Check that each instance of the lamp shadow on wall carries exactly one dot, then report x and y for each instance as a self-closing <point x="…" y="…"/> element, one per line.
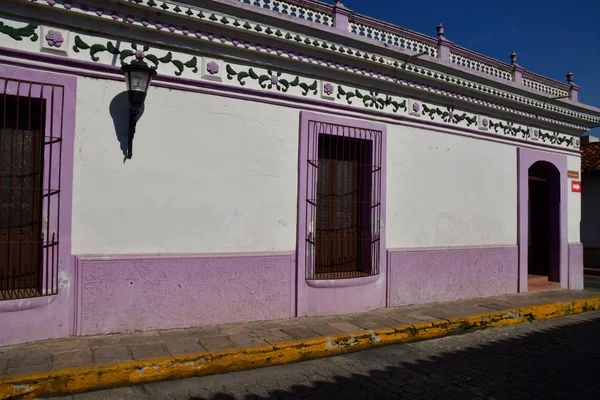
<point x="119" y="112"/>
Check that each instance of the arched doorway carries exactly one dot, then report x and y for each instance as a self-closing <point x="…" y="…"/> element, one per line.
<point x="543" y="241"/>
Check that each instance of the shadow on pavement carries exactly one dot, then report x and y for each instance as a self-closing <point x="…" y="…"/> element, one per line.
<point x="555" y="363"/>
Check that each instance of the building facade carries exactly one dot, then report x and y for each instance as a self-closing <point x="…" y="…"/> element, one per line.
<point x="292" y="158"/>
<point x="590" y="196"/>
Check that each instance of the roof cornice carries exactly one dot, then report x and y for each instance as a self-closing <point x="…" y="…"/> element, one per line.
<point x="377" y="65"/>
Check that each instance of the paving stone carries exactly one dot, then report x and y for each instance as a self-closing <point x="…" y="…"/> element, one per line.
<point x="3" y="365"/>
<point x="138" y="338"/>
<point x="107" y="354"/>
<point x="75" y="358"/>
<point x="375" y="323"/>
<point x="446" y="312"/>
<point x="496" y="305"/>
<point x="217" y="343"/>
<point x="422" y="317"/>
<point x="245" y="340"/>
<point x="404" y="320"/>
<point x="345" y="327"/>
<point x="324" y="330"/>
<point x="300" y="333"/>
<point x="233" y="330"/>
<point x="184" y="346"/>
<point x="177" y="334"/>
<point x="28" y="362"/>
<point x="149" y="350"/>
<point x="274" y="336"/>
<point x="67" y="344"/>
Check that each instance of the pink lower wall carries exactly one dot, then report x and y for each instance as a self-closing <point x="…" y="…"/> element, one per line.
<point x="344" y="296"/>
<point x="419" y="276"/>
<point x="126" y="293"/>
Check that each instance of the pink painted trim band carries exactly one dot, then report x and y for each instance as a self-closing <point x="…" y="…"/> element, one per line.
<point x="155" y="256"/>
<point x="451" y="248"/>
<point x="340" y="283"/>
<point x="7" y="306"/>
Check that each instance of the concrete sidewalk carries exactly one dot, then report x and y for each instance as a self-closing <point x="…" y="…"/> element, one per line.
<point x="80" y="364"/>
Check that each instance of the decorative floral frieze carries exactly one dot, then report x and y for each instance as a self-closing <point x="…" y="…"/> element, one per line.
<point x="371" y="100"/>
<point x="28" y="31"/>
<point x="269" y="79"/>
<point x="509" y="128"/>
<point x="166" y="8"/>
<point x="448" y="115"/>
<point x="137" y="53"/>
<point x="556" y="138"/>
<point x="212" y="69"/>
<point x="327" y="90"/>
<point x="54" y="38"/>
<point x="272" y="80"/>
<point x="332" y="65"/>
<point x="484" y="123"/>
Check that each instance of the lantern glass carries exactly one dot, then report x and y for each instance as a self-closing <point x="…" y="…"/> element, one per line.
<point x="138" y="80"/>
<point x="138" y="76"/>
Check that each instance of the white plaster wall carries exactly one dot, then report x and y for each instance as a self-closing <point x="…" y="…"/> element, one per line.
<point x="208" y="174"/>
<point x="449" y="190"/>
<point x="574" y="201"/>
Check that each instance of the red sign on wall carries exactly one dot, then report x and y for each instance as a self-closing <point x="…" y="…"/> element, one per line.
<point x="576" y="186"/>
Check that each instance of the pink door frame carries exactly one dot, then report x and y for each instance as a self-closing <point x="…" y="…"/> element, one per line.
<point x="343" y="296"/>
<point x="525" y="159"/>
<point x="52" y="316"/>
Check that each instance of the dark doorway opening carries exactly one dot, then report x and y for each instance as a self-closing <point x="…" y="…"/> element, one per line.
<point x="544" y="227"/>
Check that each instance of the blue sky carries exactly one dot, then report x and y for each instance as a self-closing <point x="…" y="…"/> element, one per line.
<point x="550" y="37"/>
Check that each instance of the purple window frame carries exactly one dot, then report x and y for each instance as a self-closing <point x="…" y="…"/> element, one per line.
<point x="303" y="180"/>
<point x="526" y="158"/>
<point x="59" y="93"/>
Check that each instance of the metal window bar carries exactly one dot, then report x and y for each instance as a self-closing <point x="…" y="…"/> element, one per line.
<point x="31" y="121"/>
<point x="343" y="200"/>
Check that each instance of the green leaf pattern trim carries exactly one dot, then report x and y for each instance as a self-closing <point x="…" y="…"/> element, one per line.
<point x="271" y="80"/>
<point x="509" y="129"/>
<point x="18" y="34"/>
<point x="553" y="138"/>
<point x="275" y="80"/>
<point x="126" y="53"/>
<point x="448" y="115"/>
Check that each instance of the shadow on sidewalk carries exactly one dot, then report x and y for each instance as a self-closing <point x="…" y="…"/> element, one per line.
<point x="554" y="363"/>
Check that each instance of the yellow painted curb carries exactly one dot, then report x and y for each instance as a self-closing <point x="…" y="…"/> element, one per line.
<point x="83" y="379"/>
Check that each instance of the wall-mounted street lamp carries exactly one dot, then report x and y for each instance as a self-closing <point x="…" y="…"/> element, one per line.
<point x="138" y="76"/>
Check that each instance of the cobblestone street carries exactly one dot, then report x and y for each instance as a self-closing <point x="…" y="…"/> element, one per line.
<point x="555" y="359"/>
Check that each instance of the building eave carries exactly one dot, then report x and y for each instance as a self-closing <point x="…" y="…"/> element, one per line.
<point x="495" y="95"/>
